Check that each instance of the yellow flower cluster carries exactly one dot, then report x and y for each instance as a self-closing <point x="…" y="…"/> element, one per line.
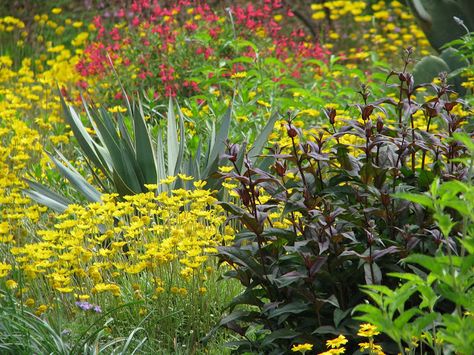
<point x="384" y="28"/>
<point x="335" y="346"/>
<point x="94" y="249"/>
<point x="302" y="348"/>
<point x="367" y="330"/>
<point x="31" y="118"/>
<point x="9" y="24"/>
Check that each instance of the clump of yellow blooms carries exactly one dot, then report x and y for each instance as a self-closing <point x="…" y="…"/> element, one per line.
<point x="369" y="331"/>
<point x="335" y="346"/>
<point x="302" y="348"/>
<point x="385" y="27"/>
<point x="31" y="119"/>
<point x="92" y="249"/>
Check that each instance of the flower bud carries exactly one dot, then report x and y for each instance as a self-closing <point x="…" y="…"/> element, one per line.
<point x="379" y="124"/>
<point x="292" y="132"/>
<point x="280" y="169"/>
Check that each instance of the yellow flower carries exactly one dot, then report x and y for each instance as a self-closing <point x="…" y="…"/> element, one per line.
<point x="337" y="342"/>
<point x="333" y="351"/>
<point x="239" y="75"/>
<point x="185" y="177"/>
<point x="168" y="180"/>
<point x="368" y="330"/>
<point x="263" y="103"/>
<point x="226" y="169"/>
<point x="41" y="309"/>
<point x="30" y="302"/>
<point x="56" y="10"/>
<point x="4" y="269"/>
<point x="11" y="284"/>
<point x="374" y="349"/>
<point x="302" y="348"/>
<point x="117" y="109"/>
<point x="319" y="15"/>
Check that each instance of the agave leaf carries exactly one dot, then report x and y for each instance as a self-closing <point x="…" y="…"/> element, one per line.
<point x="84" y="139"/>
<point x="47" y="197"/>
<point x="109" y="123"/>
<point x="145" y="154"/>
<point x="212" y="139"/>
<point x="133" y="176"/>
<point x="44" y="190"/>
<point x="75" y="178"/>
<point x="197" y="162"/>
<point x="219" y="146"/>
<point x="121" y="157"/>
<point x="172" y="139"/>
<point x="124" y="134"/>
<point x="160" y="156"/>
<point x="127" y="100"/>
<point x="129" y="157"/>
<point x="101" y="152"/>
<point x="182" y="141"/>
<point x="262" y="138"/>
<point x="240" y="157"/>
<point x="122" y="188"/>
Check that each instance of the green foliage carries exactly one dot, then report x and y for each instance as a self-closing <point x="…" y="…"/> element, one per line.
<point x="441" y="317"/>
<point x="22" y="332"/>
<point x="429" y="68"/>
<point x="124" y="160"/>
<point x="436" y="18"/>
<point x="343" y="228"/>
<point x="450" y="61"/>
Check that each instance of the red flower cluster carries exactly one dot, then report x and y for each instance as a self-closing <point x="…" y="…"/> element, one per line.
<point x="149" y="40"/>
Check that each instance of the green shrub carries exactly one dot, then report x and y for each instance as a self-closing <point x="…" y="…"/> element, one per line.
<point x="447" y="278"/>
<point x="318" y="218"/>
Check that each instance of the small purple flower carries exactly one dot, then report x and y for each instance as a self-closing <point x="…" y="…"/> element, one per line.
<point x="86" y="306"/>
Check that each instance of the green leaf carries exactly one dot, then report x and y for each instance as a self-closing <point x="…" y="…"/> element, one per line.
<point x="421" y="323"/>
<point x="46" y="200"/>
<point x="425" y="178"/>
<point x="121" y="158"/>
<point x="234" y="316"/>
<point x="160" y="157"/>
<point x="76" y="179"/>
<point x="423" y="200"/>
<point x="46" y="192"/>
<point x="84" y="139"/>
<point x="182" y="141"/>
<point x="405" y="317"/>
<point x="172" y="139"/>
<point x="426" y="261"/>
<point x="144" y="152"/>
<point x="465" y="139"/>
<point x="295" y="307"/>
<point x="262" y="138"/>
<point x="452" y="188"/>
<point x="218" y="146"/>
<point x="279" y="334"/>
<point x="339" y="315"/>
<point x="234" y="209"/>
<point x="444" y="223"/>
<point x="243" y="258"/>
